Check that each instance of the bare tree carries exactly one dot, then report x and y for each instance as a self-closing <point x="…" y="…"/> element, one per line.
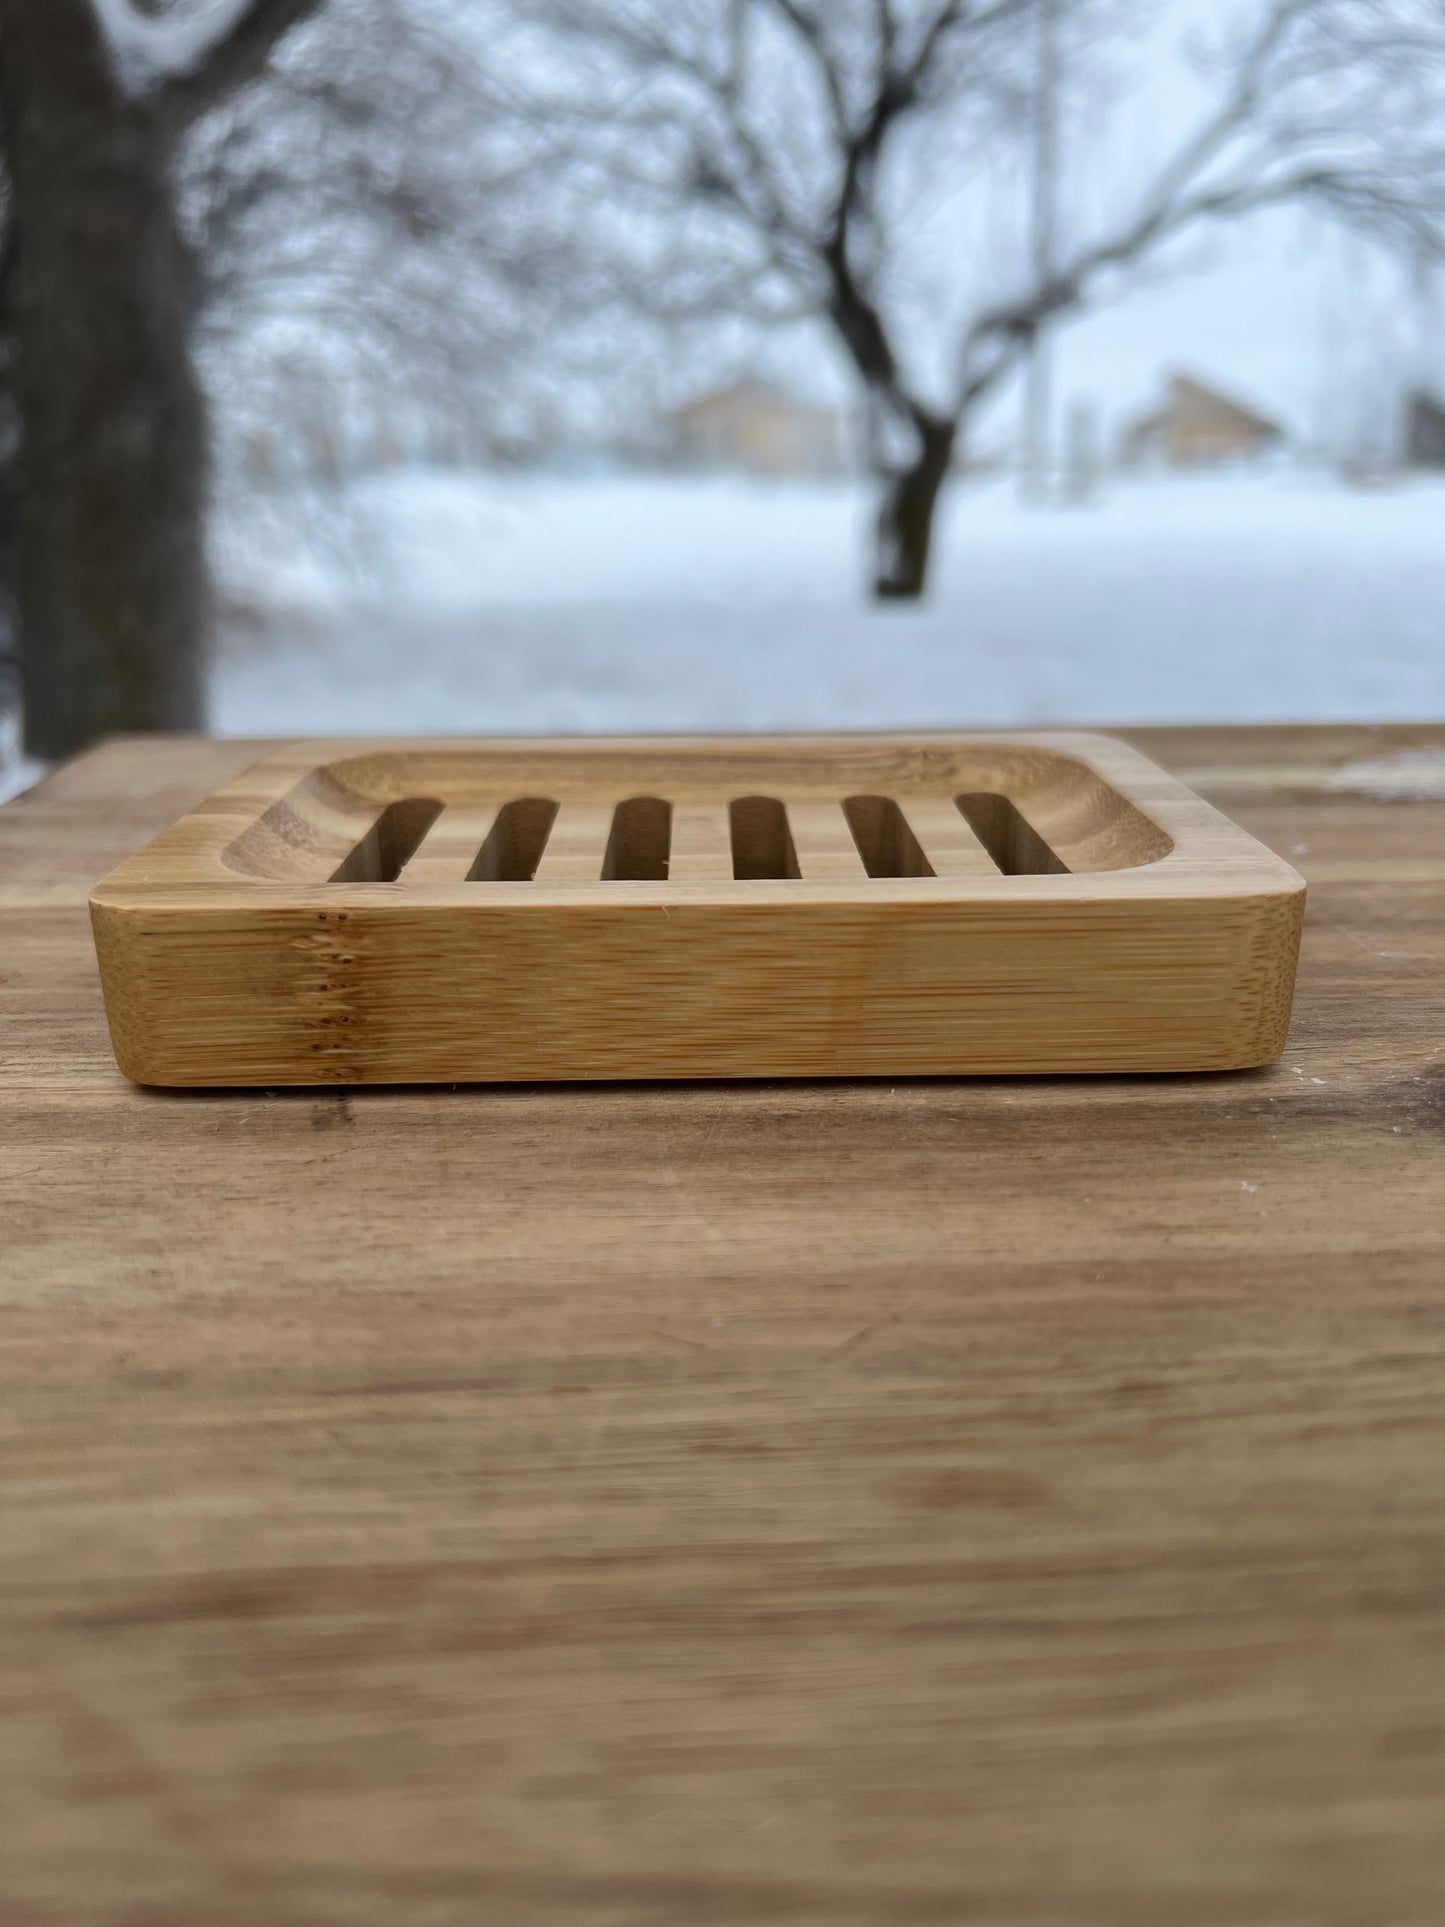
<point x="368" y="221"/>
<point x="96" y="96"/>
<point x="779" y="148"/>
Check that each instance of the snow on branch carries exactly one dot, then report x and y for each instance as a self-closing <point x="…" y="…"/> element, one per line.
<point x="148" y="51"/>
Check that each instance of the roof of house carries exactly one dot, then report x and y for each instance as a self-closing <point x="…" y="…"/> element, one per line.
<point x="747" y="389"/>
<point x="1187" y="394"/>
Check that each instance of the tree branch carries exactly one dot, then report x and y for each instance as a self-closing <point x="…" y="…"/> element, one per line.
<point x="237" y="57"/>
<point x="1172" y="204"/>
<point x="947" y="18"/>
<point x="1005" y="329"/>
<point x="851" y="306"/>
<point x="148" y="50"/>
<point x="810" y="32"/>
<point x="956" y="16"/>
<point x="1234" y="111"/>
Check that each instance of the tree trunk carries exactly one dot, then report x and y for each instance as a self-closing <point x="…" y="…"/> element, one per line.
<point x="905" y="518"/>
<point x="113" y="583"/>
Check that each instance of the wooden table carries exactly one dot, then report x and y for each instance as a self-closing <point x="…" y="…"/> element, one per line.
<point x="850" y="1504"/>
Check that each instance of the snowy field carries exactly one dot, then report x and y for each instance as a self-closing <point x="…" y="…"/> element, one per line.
<point x="439" y="602"/>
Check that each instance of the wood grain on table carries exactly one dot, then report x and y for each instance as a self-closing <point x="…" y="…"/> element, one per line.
<point x="907" y="1502"/>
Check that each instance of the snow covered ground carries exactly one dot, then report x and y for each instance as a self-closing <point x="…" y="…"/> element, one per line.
<point x="468" y="603"/>
<point x="17" y="772"/>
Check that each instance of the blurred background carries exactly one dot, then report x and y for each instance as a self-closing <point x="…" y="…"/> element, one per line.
<point x="479" y="365"/>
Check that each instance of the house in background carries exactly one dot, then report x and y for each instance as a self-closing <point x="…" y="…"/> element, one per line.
<point x="1197" y="427"/>
<point x="758" y="428"/>
<point x="1424" y="431"/>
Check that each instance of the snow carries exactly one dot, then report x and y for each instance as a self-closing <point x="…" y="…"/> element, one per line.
<point x="148" y="49"/>
<point x="17" y="772"/>
<point x="446" y="602"/>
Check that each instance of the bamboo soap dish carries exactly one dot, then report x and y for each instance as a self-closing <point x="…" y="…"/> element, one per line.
<point x="831" y="906"/>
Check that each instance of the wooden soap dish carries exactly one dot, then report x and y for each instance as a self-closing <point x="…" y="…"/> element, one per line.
<point x="830" y="906"/>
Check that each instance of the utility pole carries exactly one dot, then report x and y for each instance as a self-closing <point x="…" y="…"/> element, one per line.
<point x="1038" y="371"/>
